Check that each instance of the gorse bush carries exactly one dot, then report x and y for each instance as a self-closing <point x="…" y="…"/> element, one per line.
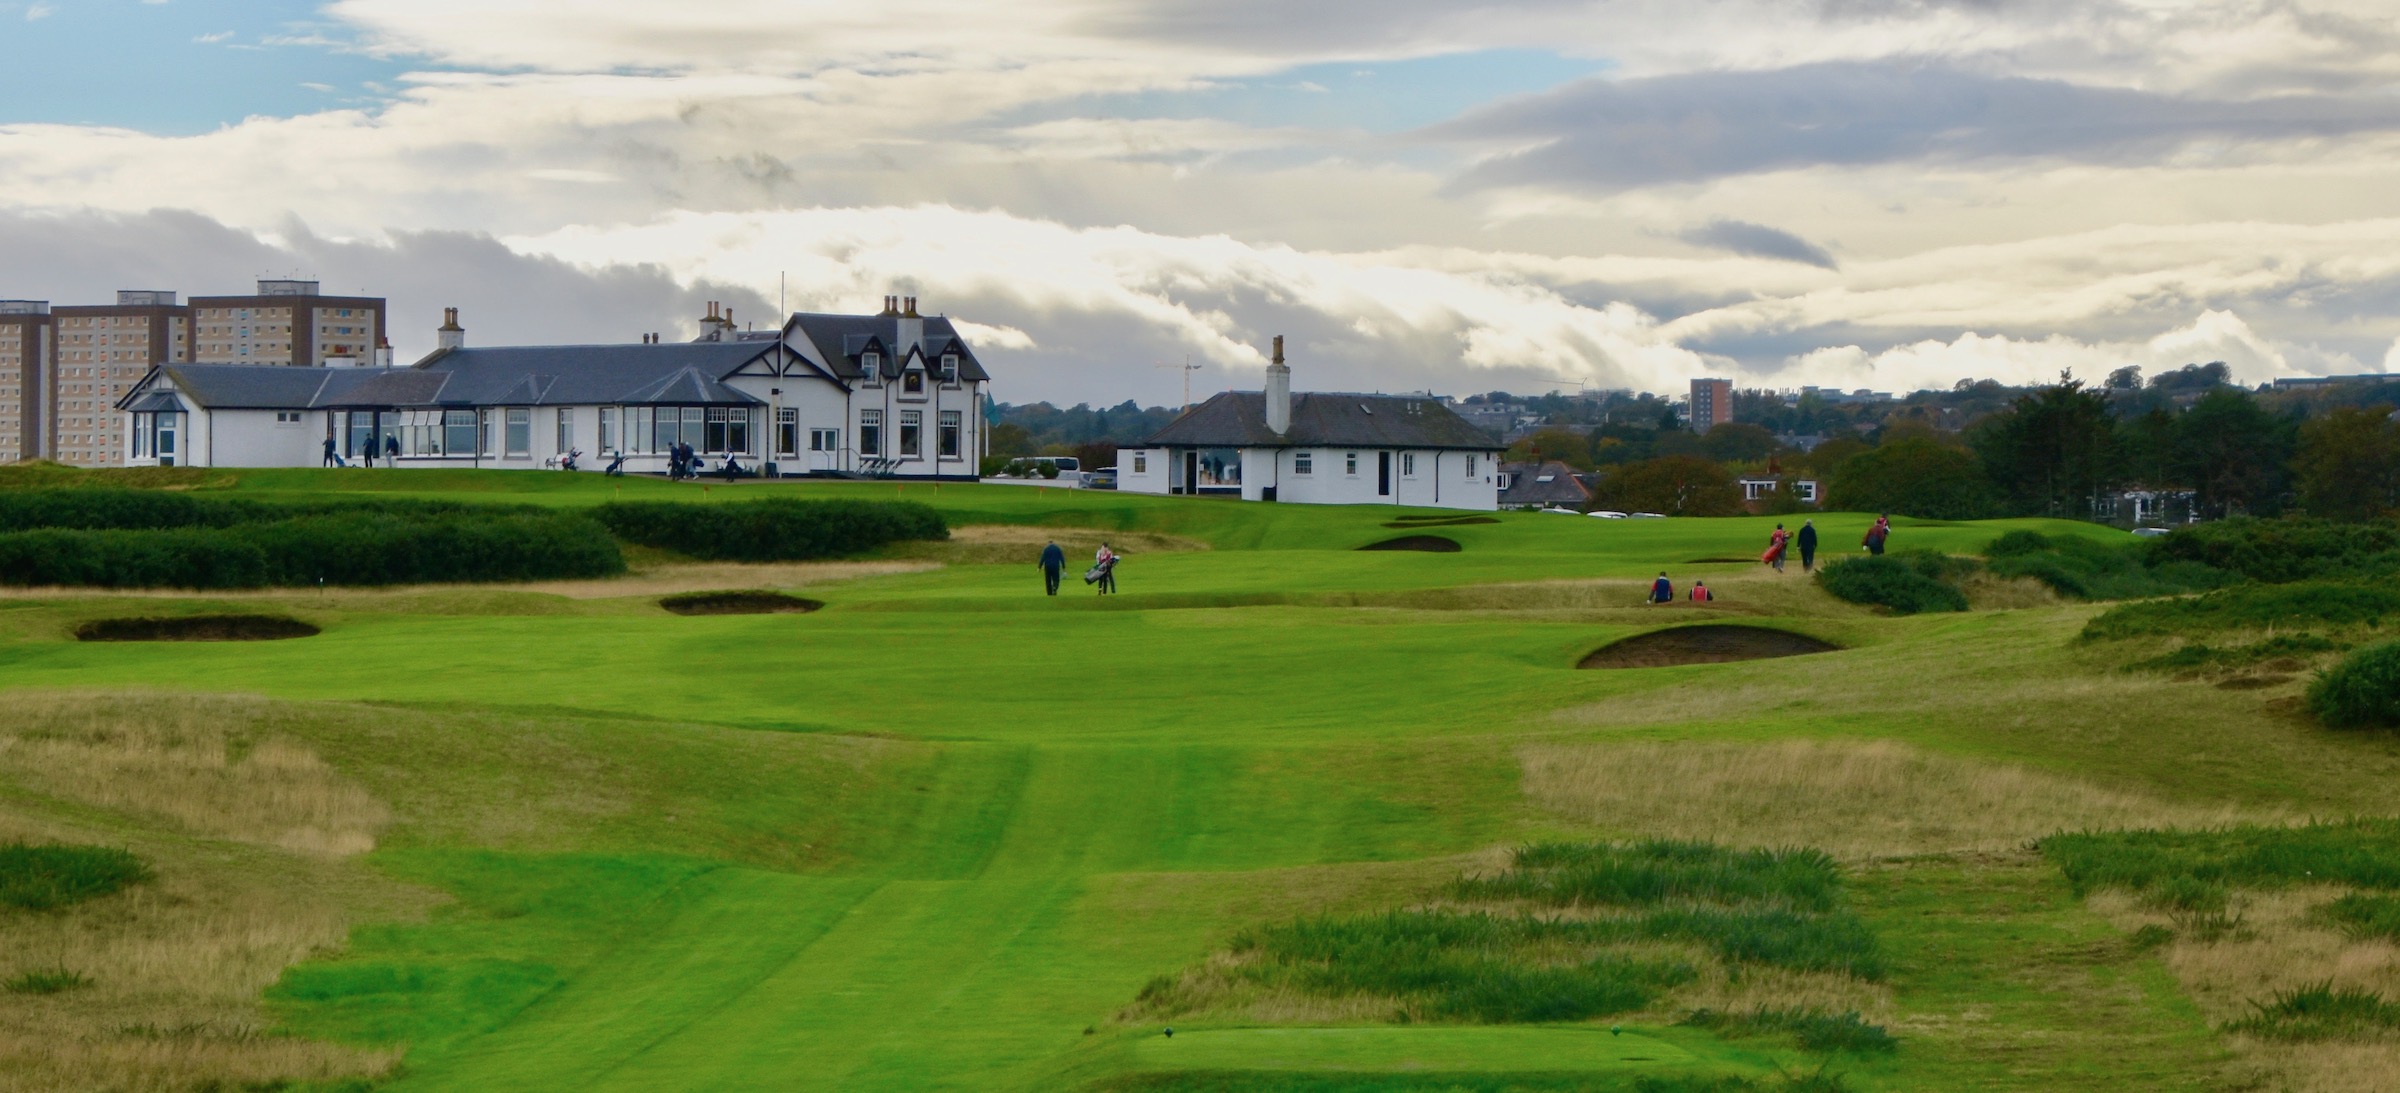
<point x="2308" y="605"/>
<point x="153" y="510"/>
<point x="1659" y="871"/>
<point x="2362" y="690"/>
<point x="771" y="530"/>
<point x="2281" y="551"/>
<point x="2358" y="853"/>
<point x="46" y="878"/>
<point x="1890" y="581"/>
<point x="348" y="549"/>
<point x="2088" y="569"/>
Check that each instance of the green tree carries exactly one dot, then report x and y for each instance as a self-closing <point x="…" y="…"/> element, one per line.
<point x="2349" y="464"/>
<point x="1738" y="442"/>
<point x="1916" y="477"/>
<point x="1567" y="445"/>
<point x="1677" y="485"/>
<point x="2052" y="452"/>
<point x="1009" y="439"/>
<point x="2233" y="453"/>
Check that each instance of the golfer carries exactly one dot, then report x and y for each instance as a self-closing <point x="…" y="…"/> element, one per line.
<point x="1776" y="547"/>
<point x="1662" y="590"/>
<point x="1053" y="560"/>
<point x="1700" y="592"/>
<point x="1808" y="545"/>
<point x="1882" y="530"/>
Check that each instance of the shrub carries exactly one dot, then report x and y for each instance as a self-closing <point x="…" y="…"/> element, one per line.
<point x="1660" y="870"/>
<point x="2362" y="690"/>
<point x="771" y="530"/>
<point x="46" y="878"/>
<point x="2281" y="551"/>
<point x="364" y="548"/>
<point x="2089" y="569"/>
<point x="2365" y="916"/>
<point x="1676" y="485"/>
<point x="1889" y="581"/>
<point x="2309" y="605"/>
<point x="1464" y="966"/>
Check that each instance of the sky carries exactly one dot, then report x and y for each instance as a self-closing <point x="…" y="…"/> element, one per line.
<point x="1445" y="195"/>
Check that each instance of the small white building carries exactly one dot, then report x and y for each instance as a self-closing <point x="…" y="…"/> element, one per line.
<point x="894" y="394"/>
<point x="1321" y="448"/>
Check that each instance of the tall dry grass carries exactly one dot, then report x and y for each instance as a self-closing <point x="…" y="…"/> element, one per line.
<point x="249" y="836"/>
<point x="186" y="761"/>
<point x="2279" y="946"/>
<point x="1855" y="799"/>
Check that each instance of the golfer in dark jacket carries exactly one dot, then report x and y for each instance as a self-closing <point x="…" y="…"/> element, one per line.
<point x="1808" y="545"/>
<point x="1053" y="560"/>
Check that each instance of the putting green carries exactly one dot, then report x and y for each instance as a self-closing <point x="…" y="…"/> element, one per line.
<point x="1408" y="1048"/>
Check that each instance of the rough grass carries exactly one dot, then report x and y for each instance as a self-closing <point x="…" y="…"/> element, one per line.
<point x="1855" y="799"/>
<point x="1249" y="1081"/>
<point x="2365" y="917"/>
<point x="2317" y="606"/>
<point x="1008" y="544"/>
<point x="2322" y="1011"/>
<point x="1813" y="1030"/>
<point x="47" y="878"/>
<point x="1659" y="871"/>
<point x="2363" y="853"/>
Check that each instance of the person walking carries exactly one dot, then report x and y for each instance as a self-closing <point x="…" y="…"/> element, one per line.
<point x="1877" y="534"/>
<point x="1808" y="545"/>
<point x="333" y="453"/>
<point x="1701" y="594"/>
<point x="1105" y="563"/>
<point x="1053" y="561"/>
<point x="1777" y="544"/>
<point x="391" y="449"/>
<point x="1662" y="590"/>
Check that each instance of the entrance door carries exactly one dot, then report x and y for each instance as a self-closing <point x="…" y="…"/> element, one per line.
<point x="1383" y="474"/>
<point x="166" y="440"/>
<point x="1191" y="472"/>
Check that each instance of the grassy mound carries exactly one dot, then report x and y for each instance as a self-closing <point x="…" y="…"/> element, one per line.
<point x="2307" y="605"/>
<point x="756" y="602"/>
<point x="1431" y="544"/>
<point x="1908" y="584"/>
<point x="196" y="628"/>
<point x="2360" y="853"/>
<point x="46" y="878"/>
<point x="1710" y="644"/>
<point x="2362" y="691"/>
<point x="2088" y="569"/>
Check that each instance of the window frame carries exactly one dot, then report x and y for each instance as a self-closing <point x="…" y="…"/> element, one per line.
<point x="949" y="435"/>
<point x="912" y="434"/>
<point x="516" y="432"/>
<point x="1350" y="465"/>
<point x="870" y="433"/>
<point x="566" y="429"/>
<point x="453" y="423"/>
<point x="1304" y="464"/>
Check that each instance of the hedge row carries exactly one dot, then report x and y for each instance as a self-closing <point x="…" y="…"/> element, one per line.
<point x="1906" y="583"/>
<point x="773" y="530"/>
<point x="153" y="510"/>
<point x="358" y="548"/>
<point x="2279" y="551"/>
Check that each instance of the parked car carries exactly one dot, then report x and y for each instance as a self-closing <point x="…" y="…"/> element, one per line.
<point x="1605" y="514"/>
<point x="1569" y="512"/>
<point x="2151" y="533"/>
<point x="1103" y="479"/>
<point x="1645" y="516"/>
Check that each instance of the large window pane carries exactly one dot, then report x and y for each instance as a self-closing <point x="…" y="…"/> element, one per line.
<point x="520" y="432"/>
<point x="608" y="428"/>
<point x="912" y="434"/>
<point x="458" y="432"/>
<point x="948" y="440"/>
<point x="787" y="431"/>
<point x="737" y="429"/>
<point x="695" y="426"/>
<point x="715" y="437"/>
<point x="870" y="432"/>
<point x="666" y="435"/>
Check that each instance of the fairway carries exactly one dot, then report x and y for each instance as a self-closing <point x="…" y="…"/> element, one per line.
<point x="949" y="833"/>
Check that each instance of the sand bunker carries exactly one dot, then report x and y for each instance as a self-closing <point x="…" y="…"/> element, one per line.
<point x="1431" y="543"/>
<point x="738" y="603"/>
<point x="1714" y="644"/>
<point x="196" y="628"/>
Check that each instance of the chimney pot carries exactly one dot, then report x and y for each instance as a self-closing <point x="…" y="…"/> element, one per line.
<point x="1279" y="349"/>
<point x="911" y="307"/>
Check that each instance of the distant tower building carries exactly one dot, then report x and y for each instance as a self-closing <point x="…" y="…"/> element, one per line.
<point x="25" y="354"/>
<point x="98" y="351"/>
<point x="1712" y="404"/>
<point x="286" y="322"/>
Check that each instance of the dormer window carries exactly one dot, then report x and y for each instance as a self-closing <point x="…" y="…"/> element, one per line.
<point x="872" y="364"/>
<point x="949" y="367"/>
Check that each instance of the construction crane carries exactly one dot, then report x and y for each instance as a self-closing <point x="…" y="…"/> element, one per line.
<point x="1187" y="368"/>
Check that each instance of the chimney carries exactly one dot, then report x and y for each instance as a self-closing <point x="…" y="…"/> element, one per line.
<point x="383" y="352"/>
<point x="891" y="305"/>
<point x="1279" y="392"/>
<point x="717" y="325"/>
<point x="910" y="308"/>
<point x="451" y="335"/>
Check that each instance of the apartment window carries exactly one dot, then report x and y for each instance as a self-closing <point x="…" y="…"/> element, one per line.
<point x="913" y="383"/>
<point x="912" y="434"/>
<point x="458" y="432"/>
<point x="1408" y="464"/>
<point x="608" y="428"/>
<point x="519" y="434"/>
<point x="1304" y="463"/>
<point x="1350" y="466"/>
<point x="870" y="432"/>
<point x="787" y="430"/>
<point x="824" y="440"/>
<point x="566" y="429"/>
<point x="946" y="441"/>
<point x="1141" y="462"/>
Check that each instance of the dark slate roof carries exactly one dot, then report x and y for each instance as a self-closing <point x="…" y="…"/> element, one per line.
<point x="1525" y="486"/>
<point x="247" y="386"/>
<point x="838" y="341"/>
<point x="1238" y="419"/>
<point x="155" y="402"/>
<point x="587" y="375"/>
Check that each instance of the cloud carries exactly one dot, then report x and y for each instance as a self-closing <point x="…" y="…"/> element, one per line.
<point x="1615" y="134"/>
<point x="1758" y="241"/>
<point x="37" y="12"/>
<point x="2211" y="336"/>
<point x="214" y="37"/>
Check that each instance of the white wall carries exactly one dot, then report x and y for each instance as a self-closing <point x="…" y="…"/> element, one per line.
<point x="1442" y="479"/>
<point x="1151" y="478"/>
<point x="253" y="438"/>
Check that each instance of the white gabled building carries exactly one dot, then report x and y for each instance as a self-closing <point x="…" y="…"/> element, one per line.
<point x="1319" y="449"/>
<point x="893" y="394"/>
